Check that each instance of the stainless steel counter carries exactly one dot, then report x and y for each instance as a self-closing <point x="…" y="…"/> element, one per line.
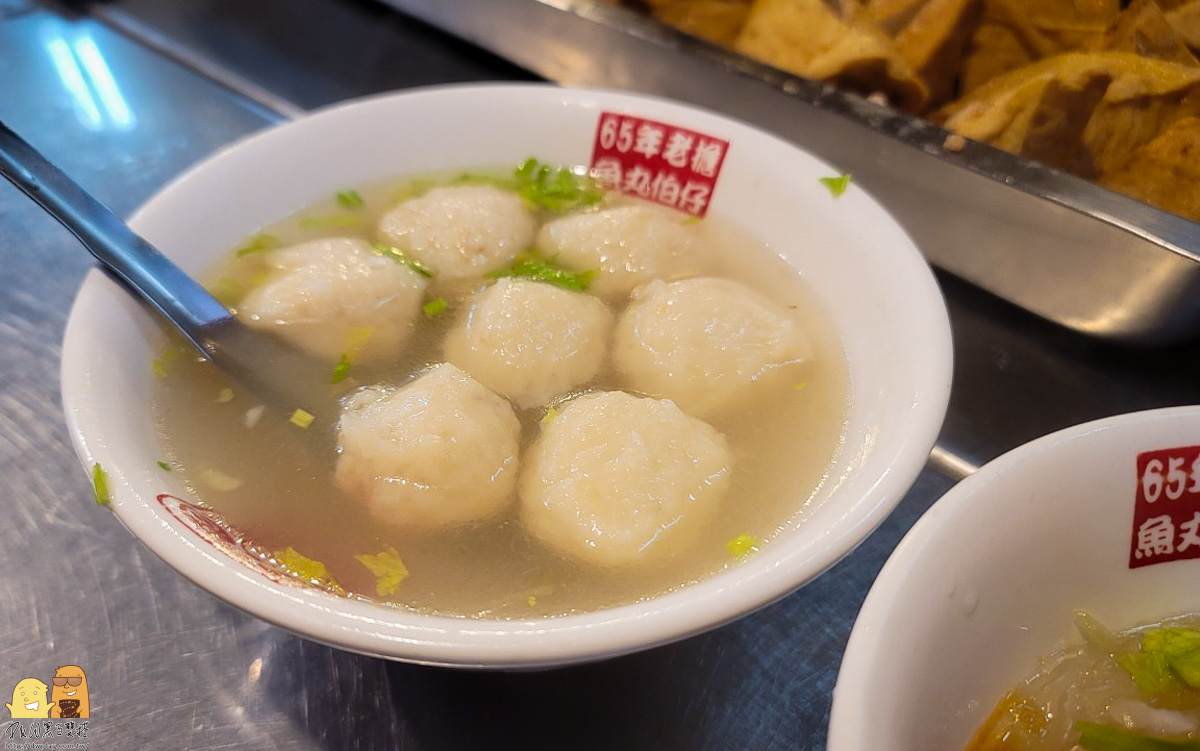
<point x="124" y="96"/>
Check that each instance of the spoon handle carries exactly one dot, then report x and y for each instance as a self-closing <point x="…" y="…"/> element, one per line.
<point x="154" y="276"/>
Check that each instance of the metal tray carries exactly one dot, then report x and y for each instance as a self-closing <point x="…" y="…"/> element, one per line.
<point x="1064" y="248"/>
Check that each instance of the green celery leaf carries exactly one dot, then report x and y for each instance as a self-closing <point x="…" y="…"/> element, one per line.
<point x="388" y="569"/>
<point x="1150" y="671"/>
<point x="1181" y="649"/>
<point x="1096" y="737"/>
<point x="304" y="568"/>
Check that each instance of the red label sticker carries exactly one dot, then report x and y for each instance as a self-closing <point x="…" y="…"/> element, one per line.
<point x="673" y="166"/>
<point x="1166" y="515"/>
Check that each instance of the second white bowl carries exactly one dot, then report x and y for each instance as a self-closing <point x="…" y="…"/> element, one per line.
<point x="988" y="579"/>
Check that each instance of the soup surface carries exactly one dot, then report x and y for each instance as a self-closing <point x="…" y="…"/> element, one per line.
<point x="1135" y="690"/>
<point x="275" y="483"/>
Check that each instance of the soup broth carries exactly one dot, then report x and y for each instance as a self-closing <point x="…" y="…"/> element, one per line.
<point x="273" y="482"/>
<point x="1136" y="689"/>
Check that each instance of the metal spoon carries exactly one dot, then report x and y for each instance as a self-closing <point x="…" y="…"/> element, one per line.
<point x="276" y="372"/>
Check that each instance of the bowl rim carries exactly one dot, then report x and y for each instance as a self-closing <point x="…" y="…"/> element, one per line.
<point x="851" y="714"/>
<point x="372" y="629"/>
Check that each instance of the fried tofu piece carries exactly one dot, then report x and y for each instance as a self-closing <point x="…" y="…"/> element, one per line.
<point x="828" y="42"/>
<point x="894" y="15"/>
<point x="933" y="43"/>
<point x="1164" y="172"/>
<point x="1126" y="100"/>
<point x="718" y="21"/>
<point x="1143" y="29"/>
<point x="1014" y="33"/>
<point x="1038" y="111"/>
<point x="1145" y="97"/>
<point x="1185" y="20"/>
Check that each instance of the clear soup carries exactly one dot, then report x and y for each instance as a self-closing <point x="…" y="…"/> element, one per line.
<point x="273" y="481"/>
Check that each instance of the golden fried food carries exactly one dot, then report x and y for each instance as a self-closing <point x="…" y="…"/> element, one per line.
<point x="893" y="15"/>
<point x="933" y="42"/>
<point x="1082" y="112"/>
<point x="1185" y="19"/>
<point x="715" y="20"/>
<point x="1108" y="93"/>
<point x="815" y="39"/>
<point x="1165" y="172"/>
<point x="1143" y="29"/>
<point x="1037" y="111"/>
<point x="1014" y="33"/>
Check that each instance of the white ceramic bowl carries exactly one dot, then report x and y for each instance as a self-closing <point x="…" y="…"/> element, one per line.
<point x="987" y="580"/>
<point x="884" y="301"/>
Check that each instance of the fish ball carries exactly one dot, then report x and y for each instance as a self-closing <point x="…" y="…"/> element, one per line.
<point x="531" y="341"/>
<point x="335" y="295"/>
<point x="615" y="479"/>
<point x="439" y="451"/>
<point x="704" y="342"/>
<point x="626" y="245"/>
<point x="461" y="231"/>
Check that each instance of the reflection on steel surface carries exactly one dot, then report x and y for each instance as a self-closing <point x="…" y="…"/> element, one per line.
<point x="1057" y="245"/>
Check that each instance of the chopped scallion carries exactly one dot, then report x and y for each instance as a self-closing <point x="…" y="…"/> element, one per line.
<point x="836" y="185"/>
<point x="556" y="189"/>
<point x="398" y="256"/>
<point x="535" y="268"/>
<point x="100" y="485"/>
<point x="258" y="243"/>
<point x="434" y="307"/>
<point x="301" y="418"/>
<point x="742" y="545"/>
<point x="164" y="466"/>
<point x="341" y="370"/>
<point x="350" y="199"/>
